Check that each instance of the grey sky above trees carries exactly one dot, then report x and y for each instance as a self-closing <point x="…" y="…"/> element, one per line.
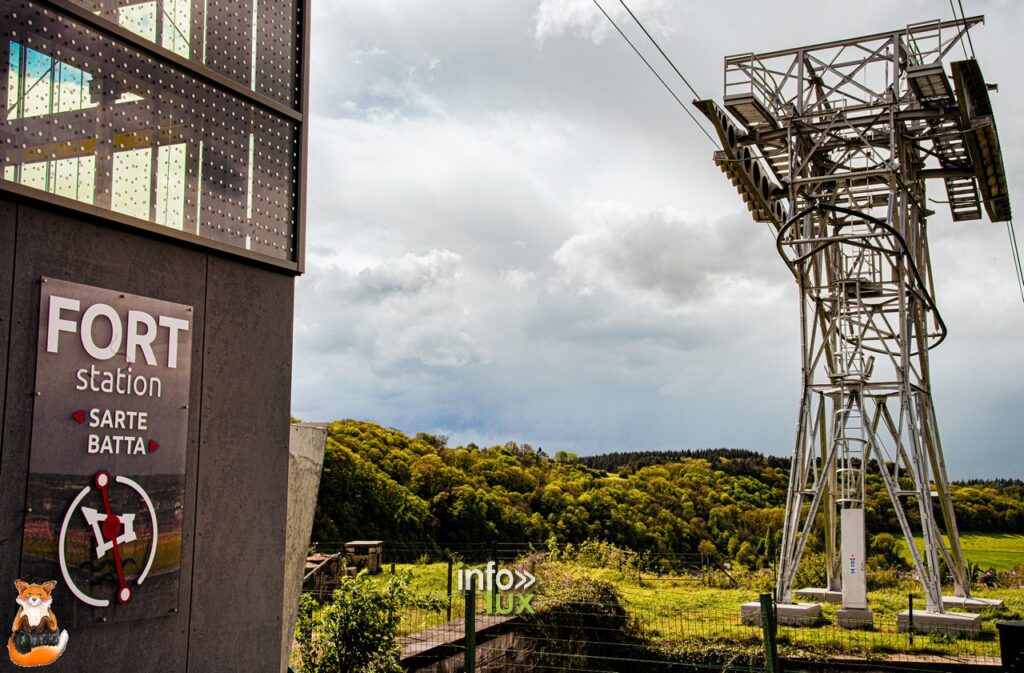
<point x="516" y="233"/>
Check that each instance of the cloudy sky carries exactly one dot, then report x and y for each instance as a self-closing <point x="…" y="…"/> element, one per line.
<point x="516" y="233"/>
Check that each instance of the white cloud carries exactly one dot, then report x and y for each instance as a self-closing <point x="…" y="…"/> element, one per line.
<point x="514" y="233"/>
<point x="669" y="257"/>
<point x="581" y="18"/>
<point x="361" y="55"/>
<point x="406" y="276"/>
<point x="518" y="278"/>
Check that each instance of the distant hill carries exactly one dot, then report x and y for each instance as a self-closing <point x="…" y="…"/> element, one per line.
<point x="423" y="496"/>
<point x="633" y="460"/>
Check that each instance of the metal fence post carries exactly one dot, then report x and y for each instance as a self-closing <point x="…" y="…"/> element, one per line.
<point x="910" y="617"/>
<point x="771" y="652"/>
<point x="449" y="588"/>
<point x="470" y="639"/>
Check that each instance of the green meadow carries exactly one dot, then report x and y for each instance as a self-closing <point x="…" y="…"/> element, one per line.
<point x="682" y="612"/>
<point x="1001" y="551"/>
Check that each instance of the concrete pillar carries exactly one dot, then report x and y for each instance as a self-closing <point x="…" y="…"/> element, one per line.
<point x="305" y="461"/>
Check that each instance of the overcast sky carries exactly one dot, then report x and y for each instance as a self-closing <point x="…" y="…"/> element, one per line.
<point x="514" y="232"/>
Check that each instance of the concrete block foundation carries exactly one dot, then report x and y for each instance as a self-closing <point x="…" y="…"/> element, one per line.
<point x="855" y="618"/>
<point x="958" y="624"/>
<point x="970" y="604"/>
<point x="790" y="614"/>
<point x="820" y="595"/>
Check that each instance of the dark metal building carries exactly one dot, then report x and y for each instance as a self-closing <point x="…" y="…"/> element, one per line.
<point x="154" y="149"/>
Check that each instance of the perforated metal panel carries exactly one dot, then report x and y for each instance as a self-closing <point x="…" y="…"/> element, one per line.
<point x="98" y="120"/>
<point x="220" y="35"/>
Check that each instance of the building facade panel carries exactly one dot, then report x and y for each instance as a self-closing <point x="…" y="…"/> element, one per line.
<point x="98" y="121"/>
<point x="219" y="35"/>
<point x="8" y="213"/>
<point x="242" y="470"/>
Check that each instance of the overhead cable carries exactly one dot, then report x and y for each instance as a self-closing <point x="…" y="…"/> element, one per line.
<point x="952" y="8"/>
<point x="655" y="73"/>
<point x="660" y="50"/>
<point x="966" y="29"/>
<point x="1015" y="253"/>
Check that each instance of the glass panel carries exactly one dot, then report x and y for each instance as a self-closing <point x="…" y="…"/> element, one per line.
<point x="176" y="16"/>
<point x="220" y="35"/>
<point x="131" y="183"/>
<point x="91" y="119"/>
<point x="75" y="178"/>
<point x="140" y="19"/>
<point x="170" y="186"/>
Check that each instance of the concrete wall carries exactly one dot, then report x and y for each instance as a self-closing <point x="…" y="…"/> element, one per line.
<point x="233" y="537"/>
<point x="305" y="463"/>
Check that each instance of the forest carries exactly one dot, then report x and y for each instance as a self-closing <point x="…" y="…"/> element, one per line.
<point x="729" y="503"/>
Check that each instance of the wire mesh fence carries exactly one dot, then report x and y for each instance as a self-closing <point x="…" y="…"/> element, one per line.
<point x="652" y="621"/>
<point x="653" y="564"/>
<point x="626" y="635"/>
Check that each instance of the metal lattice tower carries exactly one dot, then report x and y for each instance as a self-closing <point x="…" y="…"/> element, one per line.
<point x="832" y="145"/>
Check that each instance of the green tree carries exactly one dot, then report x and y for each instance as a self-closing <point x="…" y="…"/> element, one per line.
<point x="418" y="492"/>
<point x="746" y="555"/>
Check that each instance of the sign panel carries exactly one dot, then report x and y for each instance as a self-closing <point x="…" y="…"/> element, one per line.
<point x="109" y="434"/>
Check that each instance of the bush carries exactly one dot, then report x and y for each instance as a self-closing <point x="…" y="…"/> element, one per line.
<point x="746" y="555"/>
<point x="812" y="571"/>
<point x="582" y="624"/>
<point x="885" y="552"/>
<point x="595" y="554"/>
<point x="889" y="578"/>
<point x="356" y="630"/>
<point x="1011" y="579"/>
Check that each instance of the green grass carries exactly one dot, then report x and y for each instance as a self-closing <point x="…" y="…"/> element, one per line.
<point x="1001" y="551"/>
<point x="677" y="611"/>
<point x="429" y="578"/>
<point x="680" y="611"/>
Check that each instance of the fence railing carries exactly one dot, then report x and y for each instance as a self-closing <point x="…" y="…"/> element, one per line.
<point x="477" y="552"/>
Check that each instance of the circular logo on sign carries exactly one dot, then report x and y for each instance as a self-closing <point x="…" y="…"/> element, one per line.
<point x="111" y="531"/>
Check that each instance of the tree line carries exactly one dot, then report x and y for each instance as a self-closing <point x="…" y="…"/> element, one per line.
<point x="381" y="483"/>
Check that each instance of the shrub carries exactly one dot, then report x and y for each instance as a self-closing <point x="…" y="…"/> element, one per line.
<point x="885" y="552"/>
<point x="887" y="578"/>
<point x="356" y="630"/>
<point x="1011" y="579"/>
<point x="582" y="624"/>
<point x="812" y="571"/>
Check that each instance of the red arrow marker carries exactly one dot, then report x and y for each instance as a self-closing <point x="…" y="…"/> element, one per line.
<point x="79" y="416"/>
<point x="153" y="446"/>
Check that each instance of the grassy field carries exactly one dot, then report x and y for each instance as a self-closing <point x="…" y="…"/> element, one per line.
<point x="1001" y="551"/>
<point x="676" y="610"/>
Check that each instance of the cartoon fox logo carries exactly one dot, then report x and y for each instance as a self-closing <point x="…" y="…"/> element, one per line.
<point x="35" y="640"/>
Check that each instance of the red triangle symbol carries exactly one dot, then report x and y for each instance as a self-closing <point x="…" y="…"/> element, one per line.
<point x="153" y="446"/>
<point x="79" y="416"/>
